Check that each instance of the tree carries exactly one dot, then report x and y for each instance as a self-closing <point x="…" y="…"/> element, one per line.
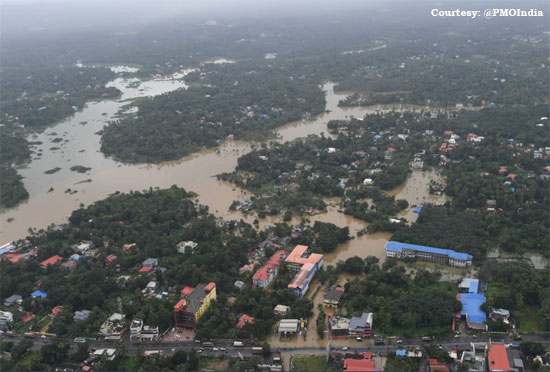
<point x="266" y="349"/>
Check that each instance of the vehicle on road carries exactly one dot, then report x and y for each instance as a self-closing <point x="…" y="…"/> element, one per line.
<point x="257" y="350"/>
<point x="207" y="344"/>
<point x="215" y="349"/>
<point x="222" y="348"/>
<point x="359" y="338"/>
<point x="400" y="341"/>
<point x="238" y="344"/>
<point x="80" y="340"/>
<point x="345" y="348"/>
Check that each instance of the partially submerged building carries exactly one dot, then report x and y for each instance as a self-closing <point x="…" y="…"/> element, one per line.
<point x="188" y="310"/>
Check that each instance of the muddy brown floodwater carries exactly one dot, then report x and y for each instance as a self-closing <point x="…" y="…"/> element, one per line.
<point x="195" y="172"/>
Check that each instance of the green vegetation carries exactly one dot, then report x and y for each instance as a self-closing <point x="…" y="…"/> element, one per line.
<point x="230" y="101"/>
<point x="309" y="363"/>
<point x="80" y="169"/>
<point x="53" y="170"/>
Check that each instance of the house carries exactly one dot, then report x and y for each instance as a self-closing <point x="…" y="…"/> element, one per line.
<point x="56" y="310"/>
<point x="333" y="295"/>
<point x="239" y="285"/>
<point x="12" y="300"/>
<point x="281" y="309"/>
<point x="436" y="365"/>
<point x="471" y="310"/>
<point x="183" y="247"/>
<point x="145" y="270"/>
<point x="497" y="358"/>
<point x="365" y="364"/>
<point x="244" y="319"/>
<point x="500" y="314"/>
<point x="265" y="274"/>
<point x="6" y="319"/>
<point x="338" y="326"/>
<point x="361" y="325"/>
<point x="51" y="261"/>
<point x="188" y="311"/>
<point x="81" y="315"/>
<point x="39" y="293"/>
<point x="150" y="262"/>
<point x="109" y="354"/>
<point x="113" y="328"/>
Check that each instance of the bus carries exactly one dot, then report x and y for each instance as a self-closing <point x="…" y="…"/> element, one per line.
<point x="238" y="344"/>
<point x="207" y="344"/>
<point x="257" y="350"/>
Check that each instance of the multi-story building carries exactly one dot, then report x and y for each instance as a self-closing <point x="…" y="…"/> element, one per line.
<point x="338" y="326"/>
<point x="6" y="319"/>
<point x="188" y="310"/>
<point x="302" y="255"/>
<point x="265" y="274"/>
<point x="114" y="328"/>
<point x="361" y="325"/>
<point x="333" y="295"/>
<point x="300" y="284"/>
<point x="444" y="256"/>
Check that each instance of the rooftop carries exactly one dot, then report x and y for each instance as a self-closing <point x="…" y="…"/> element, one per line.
<point x="301" y="279"/>
<point x="398" y="247"/>
<point x="365" y="320"/>
<point x="51" y="261"/>
<point x="194" y="300"/>
<point x="272" y="264"/>
<point x="471" y="307"/>
<point x="498" y="358"/>
<point x="299" y="256"/>
<point x="334" y="294"/>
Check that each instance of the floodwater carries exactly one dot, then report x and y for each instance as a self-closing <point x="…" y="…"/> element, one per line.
<point x="80" y="146"/>
<point x="54" y="196"/>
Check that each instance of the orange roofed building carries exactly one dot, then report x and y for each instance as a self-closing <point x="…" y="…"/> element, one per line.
<point x="188" y="310"/>
<point x="301" y="255"/>
<point x="265" y="274"/>
<point x="51" y="261"/>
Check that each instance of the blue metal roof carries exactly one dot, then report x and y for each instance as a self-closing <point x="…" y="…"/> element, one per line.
<point x="474" y="286"/>
<point x="401" y="352"/>
<point x="418" y="209"/>
<point x="398" y="247"/>
<point x="5" y="250"/>
<point x="39" y="293"/>
<point x="471" y="307"/>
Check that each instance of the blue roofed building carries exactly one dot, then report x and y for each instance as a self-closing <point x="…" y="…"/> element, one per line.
<point x="445" y="256"/>
<point x="471" y="310"/>
<point x="39" y="293"/>
<point x="468" y="285"/>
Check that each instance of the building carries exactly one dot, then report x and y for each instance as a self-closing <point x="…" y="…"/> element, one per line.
<point x="281" y="309"/>
<point x="150" y="262"/>
<point x="300" y="284"/>
<point x="39" y="293"/>
<point x="435" y="365"/>
<point x="109" y="354"/>
<point x="113" y="328"/>
<point x="338" y="326"/>
<point x="51" y="261"/>
<point x="476" y="357"/>
<point x="81" y="315"/>
<point x="302" y="255"/>
<point x="365" y="364"/>
<point x="265" y="274"/>
<point x="361" y="325"/>
<point x="244" y="320"/>
<point x="149" y="333"/>
<point x="444" y="256"/>
<point x="188" y="310"/>
<point x="239" y="285"/>
<point x="333" y="295"/>
<point x="188" y="246"/>
<point x="500" y="314"/>
<point x="288" y="326"/>
<point x="498" y="358"/>
<point x="468" y="285"/>
<point x="471" y="310"/>
<point x="6" y="319"/>
<point x="12" y="300"/>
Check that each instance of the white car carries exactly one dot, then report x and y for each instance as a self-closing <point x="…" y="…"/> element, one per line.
<point x="345" y="348"/>
<point x="215" y="349"/>
<point x="222" y="348"/>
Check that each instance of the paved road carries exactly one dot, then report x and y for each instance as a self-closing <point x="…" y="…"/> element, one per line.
<point x="170" y="347"/>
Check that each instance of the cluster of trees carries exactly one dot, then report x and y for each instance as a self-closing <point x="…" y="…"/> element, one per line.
<point x="245" y="100"/>
<point x="404" y="305"/>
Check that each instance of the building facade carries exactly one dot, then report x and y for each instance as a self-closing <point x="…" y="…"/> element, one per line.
<point x="188" y="311"/>
<point x="443" y="256"/>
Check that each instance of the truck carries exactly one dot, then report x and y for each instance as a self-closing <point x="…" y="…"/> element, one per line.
<point x="426" y="339"/>
<point x="207" y="344"/>
<point x="379" y="341"/>
<point x="238" y="344"/>
<point x="257" y="350"/>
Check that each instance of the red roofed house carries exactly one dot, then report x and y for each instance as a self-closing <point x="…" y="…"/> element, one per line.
<point x="27" y="316"/>
<point x="265" y="274"/>
<point x="391" y="149"/>
<point x="448" y="132"/>
<point x="502" y="170"/>
<point x="145" y="270"/>
<point x="13" y="257"/>
<point x="498" y="358"/>
<point x="512" y="176"/>
<point x="244" y="319"/>
<point x="366" y="364"/>
<point x="56" y="310"/>
<point x="51" y="261"/>
<point x="436" y="365"/>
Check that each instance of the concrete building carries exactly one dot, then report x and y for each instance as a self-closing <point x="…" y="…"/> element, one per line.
<point x="188" y="311"/>
<point x="188" y="246"/>
<point x="361" y="325"/>
<point x="288" y="326"/>
<point x="444" y="256"/>
<point x="338" y="326"/>
<point x="265" y="274"/>
<point x="300" y="284"/>
<point x="6" y="319"/>
<point x="302" y="255"/>
<point x="281" y="309"/>
<point x="114" y="328"/>
<point x="12" y="300"/>
<point x="333" y="295"/>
